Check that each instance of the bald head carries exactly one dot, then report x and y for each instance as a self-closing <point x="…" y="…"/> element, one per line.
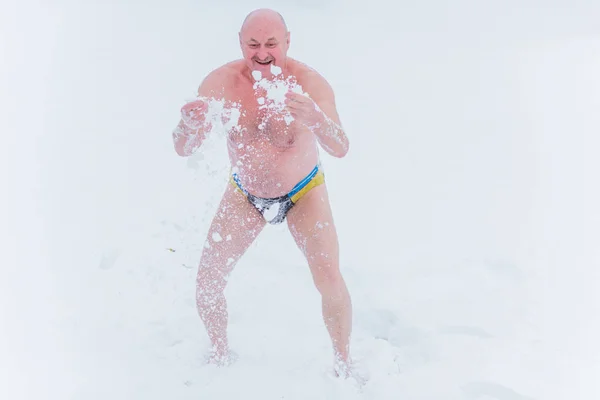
<point x="264" y="40"/>
<point x="264" y="16"/>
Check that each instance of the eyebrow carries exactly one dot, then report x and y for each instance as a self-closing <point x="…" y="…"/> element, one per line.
<point x="254" y="40"/>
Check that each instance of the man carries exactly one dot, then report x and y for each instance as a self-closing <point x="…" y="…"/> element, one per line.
<point x="276" y="176"/>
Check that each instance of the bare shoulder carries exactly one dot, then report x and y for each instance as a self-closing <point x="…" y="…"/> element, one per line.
<point x="312" y="81"/>
<point x="221" y="80"/>
<point x="318" y="88"/>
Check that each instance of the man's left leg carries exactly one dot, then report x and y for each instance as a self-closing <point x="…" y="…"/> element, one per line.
<point x="311" y="224"/>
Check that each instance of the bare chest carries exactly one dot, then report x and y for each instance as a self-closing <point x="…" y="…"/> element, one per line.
<point x="263" y="126"/>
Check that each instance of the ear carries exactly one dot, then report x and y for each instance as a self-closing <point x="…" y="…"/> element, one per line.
<point x="240" y="38"/>
<point x="287" y="40"/>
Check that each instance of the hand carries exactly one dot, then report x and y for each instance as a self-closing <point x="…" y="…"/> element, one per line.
<point x="304" y="109"/>
<point x="193" y="113"/>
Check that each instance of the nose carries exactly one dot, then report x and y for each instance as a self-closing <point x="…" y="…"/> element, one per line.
<point x="262" y="55"/>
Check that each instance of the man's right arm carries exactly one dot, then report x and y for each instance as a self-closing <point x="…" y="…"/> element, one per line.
<point x="186" y="139"/>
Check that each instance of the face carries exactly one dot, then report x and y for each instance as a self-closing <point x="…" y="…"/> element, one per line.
<point x="264" y="43"/>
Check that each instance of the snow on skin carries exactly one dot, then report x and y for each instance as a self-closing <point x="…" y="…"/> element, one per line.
<point x="222" y="117"/>
<point x="216" y="237"/>
<point x="275" y="93"/>
<point x="275" y="102"/>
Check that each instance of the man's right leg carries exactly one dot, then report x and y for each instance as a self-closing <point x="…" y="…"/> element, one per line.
<point x="234" y="227"/>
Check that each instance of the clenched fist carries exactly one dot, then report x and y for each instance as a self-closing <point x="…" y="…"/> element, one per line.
<point x="193" y="113"/>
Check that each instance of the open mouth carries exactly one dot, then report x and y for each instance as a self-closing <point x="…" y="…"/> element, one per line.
<point x="264" y="62"/>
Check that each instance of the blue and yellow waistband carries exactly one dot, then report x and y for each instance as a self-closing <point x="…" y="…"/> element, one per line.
<point x="315" y="178"/>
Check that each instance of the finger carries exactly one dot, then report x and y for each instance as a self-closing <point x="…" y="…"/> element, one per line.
<point x="192" y="110"/>
<point x="296" y="97"/>
<point x="293" y="111"/>
<point x="293" y="104"/>
<point x="298" y="101"/>
<point x="195" y="102"/>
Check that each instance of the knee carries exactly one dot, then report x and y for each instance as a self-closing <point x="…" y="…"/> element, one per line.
<point x="214" y="268"/>
<point x="328" y="279"/>
<point x="210" y="283"/>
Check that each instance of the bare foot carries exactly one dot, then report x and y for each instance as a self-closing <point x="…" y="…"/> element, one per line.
<point x="342" y="368"/>
<point x="347" y="370"/>
<point x="221" y="357"/>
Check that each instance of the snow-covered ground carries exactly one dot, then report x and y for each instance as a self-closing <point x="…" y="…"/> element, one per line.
<point x="467" y="207"/>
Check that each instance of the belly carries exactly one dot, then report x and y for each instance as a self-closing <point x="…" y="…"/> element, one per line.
<point x="267" y="170"/>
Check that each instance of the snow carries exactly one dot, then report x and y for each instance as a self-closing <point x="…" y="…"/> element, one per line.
<point x="275" y="90"/>
<point x="257" y="75"/>
<point x="467" y="206"/>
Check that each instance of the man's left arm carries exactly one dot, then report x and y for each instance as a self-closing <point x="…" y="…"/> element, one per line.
<point x="322" y="118"/>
